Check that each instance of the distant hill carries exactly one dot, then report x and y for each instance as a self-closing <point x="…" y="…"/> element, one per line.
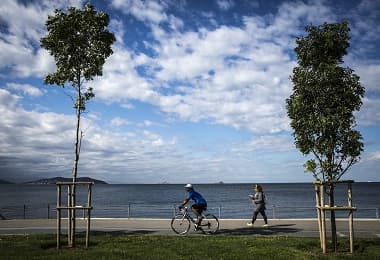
<point x="5" y="182"/>
<point x="62" y="179"/>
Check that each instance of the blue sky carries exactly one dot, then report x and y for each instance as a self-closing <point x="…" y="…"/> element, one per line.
<point x="194" y="92"/>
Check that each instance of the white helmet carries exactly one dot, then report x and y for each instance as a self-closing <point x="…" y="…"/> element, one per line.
<point x="188" y="186"/>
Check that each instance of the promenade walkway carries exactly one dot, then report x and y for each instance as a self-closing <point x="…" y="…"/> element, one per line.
<point x="282" y="227"/>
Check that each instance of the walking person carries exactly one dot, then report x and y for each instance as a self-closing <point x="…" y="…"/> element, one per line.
<point x="259" y="199"/>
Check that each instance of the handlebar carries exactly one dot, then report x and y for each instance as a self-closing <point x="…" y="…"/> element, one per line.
<point x="182" y="208"/>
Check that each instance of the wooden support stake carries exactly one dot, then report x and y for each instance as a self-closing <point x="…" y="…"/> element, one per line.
<point x="322" y="208"/>
<point x="323" y="216"/>
<point x="351" y="219"/>
<point x="318" y="204"/>
<point x="88" y="214"/>
<point x="69" y="216"/>
<point x="71" y="208"/>
<point x="73" y="214"/>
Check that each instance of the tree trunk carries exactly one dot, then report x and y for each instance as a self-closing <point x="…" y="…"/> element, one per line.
<point x="332" y="217"/>
<point x="77" y="140"/>
<point x="75" y="169"/>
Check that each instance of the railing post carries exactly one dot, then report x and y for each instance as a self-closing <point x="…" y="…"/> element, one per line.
<point x="129" y="210"/>
<point x="48" y="209"/>
<point x="274" y="211"/>
<point x="219" y="211"/>
<point x="377" y="213"/>
<point x="24" y="211"/>
<point x="58" y="208"/>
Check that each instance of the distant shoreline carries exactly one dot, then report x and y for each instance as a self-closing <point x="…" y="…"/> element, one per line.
<point x="57" y="179"/>
<point x="97" y="181"/>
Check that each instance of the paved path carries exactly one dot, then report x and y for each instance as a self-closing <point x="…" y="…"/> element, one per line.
<point x="285" y="227"/>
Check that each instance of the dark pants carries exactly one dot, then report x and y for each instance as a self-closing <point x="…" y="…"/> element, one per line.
<point x="199" y="207"/>
<point x="260" y="209"/>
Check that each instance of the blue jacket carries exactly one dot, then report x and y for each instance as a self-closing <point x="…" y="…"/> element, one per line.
<point x="196" y="197"/>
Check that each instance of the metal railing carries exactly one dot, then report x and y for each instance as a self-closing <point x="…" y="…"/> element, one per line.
<point x="134" y="210"/>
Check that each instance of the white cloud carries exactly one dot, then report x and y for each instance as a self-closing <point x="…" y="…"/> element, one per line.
<point x="369" y="75"/>
<point x="369" y="113"/>
<point x="43" y="145"/>
<point x="118" y="121"/>
<point x="272" y="143"/>
<point x="244" y="73"/>
<point x="146" y="11"/>
<point x="7" y="99"/>
<point x="229" y="75"/>
<point x="117" y="28"/>
<point x="233" y="76"/>
<point x="26" y="89"/>
<point x="225" y="4"/>
<point x="121" y="81"/>
<point x="375" y="156"/>
<point x="19" y="44"/>
<point x="155" y="139"/>
<point x="23" y="131"/>
<point x="148" y="123"/>
<point x="368" y="9"/>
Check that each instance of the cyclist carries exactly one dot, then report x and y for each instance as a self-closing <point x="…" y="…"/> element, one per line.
<point x="200" y="203"/>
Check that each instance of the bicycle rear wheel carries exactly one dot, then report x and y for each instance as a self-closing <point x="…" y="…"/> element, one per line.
<point x="180" y="224"/>
<point x="210" y="224"/>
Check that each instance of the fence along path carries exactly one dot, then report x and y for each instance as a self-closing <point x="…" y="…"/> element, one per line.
<point x="135" y="210"/>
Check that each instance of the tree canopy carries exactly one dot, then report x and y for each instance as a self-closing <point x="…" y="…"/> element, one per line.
<point x="80" y="44"/>
<point x="325" y="96"/>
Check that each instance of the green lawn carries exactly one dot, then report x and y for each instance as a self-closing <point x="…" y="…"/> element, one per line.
<point x="122" y="246"/>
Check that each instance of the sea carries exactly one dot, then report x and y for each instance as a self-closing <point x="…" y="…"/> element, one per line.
<point x="283" y="200"/>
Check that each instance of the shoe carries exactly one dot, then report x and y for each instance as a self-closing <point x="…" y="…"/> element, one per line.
<point x="250" y="224"/>
<point x="196" y="227"/>
<point x="265" y="225"/>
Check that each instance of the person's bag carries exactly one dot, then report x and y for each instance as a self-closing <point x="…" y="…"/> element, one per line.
<point x="264" y="198"/>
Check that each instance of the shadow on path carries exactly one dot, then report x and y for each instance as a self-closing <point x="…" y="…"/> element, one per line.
<point x="271" y="230"/>
<point x="122" y="232"/>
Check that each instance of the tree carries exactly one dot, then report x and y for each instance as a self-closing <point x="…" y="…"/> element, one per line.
<point x="80" y="43"/>
<point x="325" y="96"/>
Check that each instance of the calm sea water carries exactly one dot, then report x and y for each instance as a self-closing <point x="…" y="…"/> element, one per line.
<point x="290" y="200"/>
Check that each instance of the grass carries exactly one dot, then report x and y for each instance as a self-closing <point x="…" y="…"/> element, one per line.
<point x="122" y="246"/>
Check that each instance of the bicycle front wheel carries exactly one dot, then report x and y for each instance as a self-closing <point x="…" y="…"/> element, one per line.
<point x="210" y="224"/>
<point x="180" y="224"/>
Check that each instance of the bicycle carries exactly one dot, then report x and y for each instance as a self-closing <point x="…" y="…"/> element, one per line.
<point x="181" y="223"/>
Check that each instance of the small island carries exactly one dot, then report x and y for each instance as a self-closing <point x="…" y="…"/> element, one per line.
<point x="5" y="182"/>
<point x="63" y="179"/>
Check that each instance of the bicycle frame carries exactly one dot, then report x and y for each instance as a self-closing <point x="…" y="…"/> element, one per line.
<point x="186" y="214"/>
<point x="181" y="222"/>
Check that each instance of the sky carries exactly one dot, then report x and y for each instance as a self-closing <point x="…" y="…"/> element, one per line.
<point x="195" y="92"/>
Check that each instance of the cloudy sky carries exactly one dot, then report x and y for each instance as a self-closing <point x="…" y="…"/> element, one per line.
<point x="194" y="92"/>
